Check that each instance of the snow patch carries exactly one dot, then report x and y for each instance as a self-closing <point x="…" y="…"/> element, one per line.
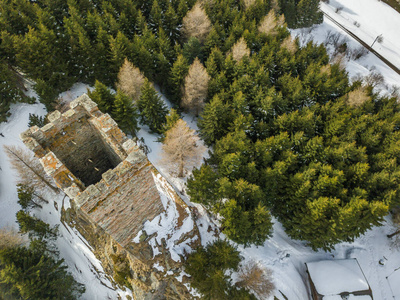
<point x="165" y="225"/>
<point x="158" y="267"/>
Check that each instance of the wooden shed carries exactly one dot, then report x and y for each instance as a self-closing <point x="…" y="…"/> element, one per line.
<point x="337" y="280"/>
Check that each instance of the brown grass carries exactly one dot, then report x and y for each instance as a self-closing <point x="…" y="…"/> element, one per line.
<point x="10" y="238"/>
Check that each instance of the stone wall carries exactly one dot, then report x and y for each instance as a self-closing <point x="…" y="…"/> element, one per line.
<point x="111" y="186"/>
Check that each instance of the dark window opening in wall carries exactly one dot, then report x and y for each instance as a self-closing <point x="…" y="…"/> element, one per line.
<point x="81" y="148"/>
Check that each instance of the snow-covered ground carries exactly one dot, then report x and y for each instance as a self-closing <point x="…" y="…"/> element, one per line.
<point x="368" y="19"/>
<point x="284" y="256"/>
<point x="17" y="123"/>
<point x="73" y="248"/>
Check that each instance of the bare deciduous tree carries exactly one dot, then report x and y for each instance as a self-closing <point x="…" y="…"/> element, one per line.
<point x="195" y="87"/>
<point x="326" y="69"/>
<point x="357" y="97"/>
<point x="196" y="23"/>
<point x="275" y="6"/>
<point x="181" y="148"/>
<point x="255" y="279"/>
<point x="248" y="3"/>
<point x="339" y="59"/>
<point x="289" y="44"/>
<point x="280" y="21"/>
<point x="375" y="79"/>
<point x="395" y="92"/>
<point x="240" y="49"/>
<point x="130" y="80"/>
<point x="10" y="238"/>
<point x="29" y="168"/>
<point x="270" y="23"/>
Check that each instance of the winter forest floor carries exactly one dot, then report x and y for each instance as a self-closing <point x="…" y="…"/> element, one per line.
<point x="284" y="256"/>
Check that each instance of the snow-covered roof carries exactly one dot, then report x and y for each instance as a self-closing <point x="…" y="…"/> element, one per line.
<point x="333" y="277"/>
<point x="394" y="282"/>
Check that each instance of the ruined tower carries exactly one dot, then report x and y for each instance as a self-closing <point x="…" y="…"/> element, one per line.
<point x="118" y="198"/>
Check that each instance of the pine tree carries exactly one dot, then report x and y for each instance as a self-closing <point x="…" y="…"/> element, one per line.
<point x="28" y="198"/>
<point x="209" y="268"/>
<point x="155" y="17"/>
<point x="246" y="221"/>
<point x="171" y="24"/>
<point x="308" y="13"/>
<point x="10" y="90"/>
<point x="182" y="9"/>
<point x="152" y="109"/>
<point x="101" y="54"/>
<point x="192" y="49"/>
<point x="120" y="48"/>
<point x="213" y="41"/>
<point x="176" y="80"/>
<point x="203" y="186"/>
<point x="125" y="113"/>
<point x="36" y="228"/>
<point x="30" y="274"/>
<point x="35" y="120"/>
<point x="170" y="120"/>
<point x="215" y="120"/>
<point x="39" y="45"/>
<point x="102" y="96"/>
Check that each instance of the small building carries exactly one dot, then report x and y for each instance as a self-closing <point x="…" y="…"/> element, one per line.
<point x="337" y="280"/>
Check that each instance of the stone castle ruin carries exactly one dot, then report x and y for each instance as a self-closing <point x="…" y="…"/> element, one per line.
<point x="115" y="191"/>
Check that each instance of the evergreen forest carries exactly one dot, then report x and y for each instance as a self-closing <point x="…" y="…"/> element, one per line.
<point x="30" y="267"/>
<point x="289" y="136"/>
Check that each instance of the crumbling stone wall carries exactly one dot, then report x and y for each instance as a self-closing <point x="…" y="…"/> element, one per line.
<point x="83" y="151"/>
<point x="111" y="186"/>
